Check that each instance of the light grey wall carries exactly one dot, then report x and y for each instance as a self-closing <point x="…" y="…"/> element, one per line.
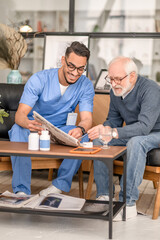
<point x="3" y="75"/>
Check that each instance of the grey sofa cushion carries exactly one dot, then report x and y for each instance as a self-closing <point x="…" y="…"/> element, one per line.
<point x="153" y="157"/>
<point x="9" y="99"/>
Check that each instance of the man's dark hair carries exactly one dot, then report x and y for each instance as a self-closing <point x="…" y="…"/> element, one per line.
<point x="78" y="48"/>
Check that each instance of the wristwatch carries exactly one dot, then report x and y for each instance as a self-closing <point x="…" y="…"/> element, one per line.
<point x="82" y="129"/>
<point x="114" y="133"/>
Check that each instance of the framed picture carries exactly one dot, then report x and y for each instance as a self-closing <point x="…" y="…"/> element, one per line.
<point x="101" y="84"/>
<point x="55" y="47"/>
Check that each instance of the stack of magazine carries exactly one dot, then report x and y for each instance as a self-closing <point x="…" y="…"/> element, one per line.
<point x="51" y="201"/>
<point x="8" y="199"/>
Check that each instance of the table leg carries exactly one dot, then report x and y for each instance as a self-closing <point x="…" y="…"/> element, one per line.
<point x="110" y="170"/>
<point x="124" y="184"/>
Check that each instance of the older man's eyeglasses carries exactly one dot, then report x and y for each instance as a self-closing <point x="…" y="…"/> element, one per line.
<point x="71" y="67"/>
<point x="117" y="80"/>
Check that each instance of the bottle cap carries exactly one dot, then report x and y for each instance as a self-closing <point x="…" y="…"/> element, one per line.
<point x="87" y="144"/>
<point x="34" y="133"/>
<point x="45" y="132"/>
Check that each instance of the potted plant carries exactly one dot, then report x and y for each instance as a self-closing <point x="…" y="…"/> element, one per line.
<point x="12" y="48"/>
<point x="3" y="114"/>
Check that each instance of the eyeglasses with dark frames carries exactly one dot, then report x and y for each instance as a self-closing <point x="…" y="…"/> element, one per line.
<point x="117" y="80"/>
<point x="71" y="67"/>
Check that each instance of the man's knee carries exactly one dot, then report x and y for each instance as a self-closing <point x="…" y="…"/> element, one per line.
<point x="18" y="134"/>
<point x="134" y="142"/>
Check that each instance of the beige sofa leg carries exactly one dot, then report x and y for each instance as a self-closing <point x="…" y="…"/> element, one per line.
<point x="90" y="182"/>
<point x="155" y="184"/>
<point x="50" y="174"/>
<point x="80" y="177"/>
<point x="157" y="202"/>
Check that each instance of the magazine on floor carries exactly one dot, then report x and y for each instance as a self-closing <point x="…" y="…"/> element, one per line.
<point x="57" y="202"/>
<point x="8" y="199"/>
<point x="57" y="135"/>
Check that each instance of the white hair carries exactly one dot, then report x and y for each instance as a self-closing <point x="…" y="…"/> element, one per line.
<point x="128" y="63"/>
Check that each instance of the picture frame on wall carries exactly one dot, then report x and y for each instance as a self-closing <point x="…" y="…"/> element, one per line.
<point x="55" y="47"/>
<point x="101" y="85"/>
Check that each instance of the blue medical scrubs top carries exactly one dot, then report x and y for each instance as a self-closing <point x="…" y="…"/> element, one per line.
<point x="42" y="93"/>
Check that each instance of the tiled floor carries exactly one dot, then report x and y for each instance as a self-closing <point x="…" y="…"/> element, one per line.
<point x="17" y="226"/>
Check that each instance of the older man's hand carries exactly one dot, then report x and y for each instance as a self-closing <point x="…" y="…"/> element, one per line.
<point x="93" y="133"/>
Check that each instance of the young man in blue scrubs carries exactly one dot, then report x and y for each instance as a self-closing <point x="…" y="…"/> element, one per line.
<point x="54" y="93"/>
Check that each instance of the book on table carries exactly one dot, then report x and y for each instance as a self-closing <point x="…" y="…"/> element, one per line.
<point x="57" y="135"/>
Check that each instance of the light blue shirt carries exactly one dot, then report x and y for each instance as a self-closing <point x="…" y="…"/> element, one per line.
<point x="42" y="93"/>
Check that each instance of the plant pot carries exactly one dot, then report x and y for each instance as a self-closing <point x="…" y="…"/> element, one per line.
<point x="14" y="77"/>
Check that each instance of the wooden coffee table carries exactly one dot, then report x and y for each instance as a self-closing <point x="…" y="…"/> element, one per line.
<point x="58" y="151"/>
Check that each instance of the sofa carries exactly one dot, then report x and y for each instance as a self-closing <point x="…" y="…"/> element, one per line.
<point x="10" y="95"/>
<point x="9" y="99"/>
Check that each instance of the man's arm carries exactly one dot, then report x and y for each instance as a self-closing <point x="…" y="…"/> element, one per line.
<point x="147" y="117"/>
<point x="114" y="119"/>
<point x="85" y="122"/>
<point x="22" y="120"/>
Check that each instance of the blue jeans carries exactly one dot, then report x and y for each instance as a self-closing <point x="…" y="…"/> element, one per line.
<point x="137" y="148"/>
<point x="22" y="169"/>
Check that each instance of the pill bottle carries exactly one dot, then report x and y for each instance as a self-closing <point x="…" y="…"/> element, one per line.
<point x="33" y="141"/>
<point x="87" y="144"/>
<point x="45" y="141"/>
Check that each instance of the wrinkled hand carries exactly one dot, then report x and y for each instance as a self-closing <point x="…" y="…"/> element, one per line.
<point x="33" y="125"/>
<point x="93" y="133"/>
<point x="76" y="133"/>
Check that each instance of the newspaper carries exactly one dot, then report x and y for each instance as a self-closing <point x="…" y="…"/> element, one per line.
<point x="57" y="135"/>
<point x="8" y="199"/>
<point x="57" y="202"/>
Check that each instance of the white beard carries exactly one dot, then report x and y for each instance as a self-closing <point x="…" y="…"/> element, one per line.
<point x="124" y="91"/>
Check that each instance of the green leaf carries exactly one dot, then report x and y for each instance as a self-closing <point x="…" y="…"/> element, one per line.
<point x="1" y="119"/>
<point x="3" y="114"/>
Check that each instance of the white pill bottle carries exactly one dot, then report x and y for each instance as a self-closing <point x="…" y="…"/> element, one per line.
<point x="45" y="141"/>
<point x="33" y="141"/>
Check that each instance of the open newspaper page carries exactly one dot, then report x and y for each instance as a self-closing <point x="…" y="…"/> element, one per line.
<point x="57" y="202"/>
<point x="57" y="135"/>
<point x="8" y="199"/>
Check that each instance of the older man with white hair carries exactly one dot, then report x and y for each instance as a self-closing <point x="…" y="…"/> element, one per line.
<point x="134" y="100"/>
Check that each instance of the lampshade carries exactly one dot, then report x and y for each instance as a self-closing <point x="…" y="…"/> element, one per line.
<point x="25" y="28"/>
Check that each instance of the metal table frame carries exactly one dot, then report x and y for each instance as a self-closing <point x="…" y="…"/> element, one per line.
<point x="113" y="211"/>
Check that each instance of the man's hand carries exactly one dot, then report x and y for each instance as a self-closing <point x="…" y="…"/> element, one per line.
<point x="93" y="133"/>
<point x="33" y="125"/>
<point x="86" y="123"/>
<point x="22" y="120"/>
<point x="76" y="133"/>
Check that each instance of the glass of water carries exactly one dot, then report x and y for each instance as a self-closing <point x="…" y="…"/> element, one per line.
<point x="105" y="135"/>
